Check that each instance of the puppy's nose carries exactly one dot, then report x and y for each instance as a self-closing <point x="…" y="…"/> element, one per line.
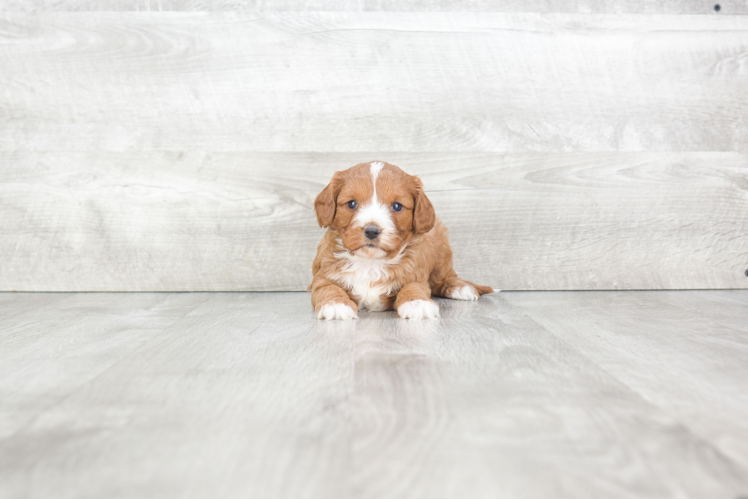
<point x="372" y="232"/>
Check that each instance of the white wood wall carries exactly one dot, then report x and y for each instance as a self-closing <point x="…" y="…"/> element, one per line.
<point x="178" y="145"/>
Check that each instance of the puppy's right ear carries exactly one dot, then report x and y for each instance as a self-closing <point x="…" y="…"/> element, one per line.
<point x="327" y="201"/>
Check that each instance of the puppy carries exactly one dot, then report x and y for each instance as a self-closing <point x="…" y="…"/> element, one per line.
<point x="384" y="249"/>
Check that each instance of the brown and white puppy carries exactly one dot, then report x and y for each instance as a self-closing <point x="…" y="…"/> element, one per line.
<point x="384" y="249"/>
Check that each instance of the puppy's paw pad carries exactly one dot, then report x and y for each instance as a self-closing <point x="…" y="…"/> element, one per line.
<point x="465" y="292"/>
<point x="418" y="309"/>
<point x="336" y="310"/>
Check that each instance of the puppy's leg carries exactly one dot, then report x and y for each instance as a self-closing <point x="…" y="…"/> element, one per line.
<point x="454" y="287"/>
<point x="414" y="302"/>
<point x="331" y="301"/>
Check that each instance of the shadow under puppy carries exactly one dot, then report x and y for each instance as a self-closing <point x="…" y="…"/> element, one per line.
<point x="384" y="249"/>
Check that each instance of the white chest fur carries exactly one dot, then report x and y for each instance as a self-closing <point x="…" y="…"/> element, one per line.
<point x="367" y="279"/>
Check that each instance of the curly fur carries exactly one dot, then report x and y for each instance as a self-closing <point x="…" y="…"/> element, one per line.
<point x="410" y="261"/>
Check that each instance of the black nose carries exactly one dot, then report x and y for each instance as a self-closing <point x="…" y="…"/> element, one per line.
<point x="372" y="232"/>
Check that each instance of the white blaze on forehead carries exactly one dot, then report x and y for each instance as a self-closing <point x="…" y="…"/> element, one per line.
<point x="376" y="166"/>
<point x="374" y="212"/>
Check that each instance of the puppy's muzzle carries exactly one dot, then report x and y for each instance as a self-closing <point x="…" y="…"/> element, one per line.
<point x="372" y="232"/>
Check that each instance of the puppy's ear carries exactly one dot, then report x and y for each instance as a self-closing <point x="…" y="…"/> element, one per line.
<point x="327" y="201"/>
<point x="424" y="217"/>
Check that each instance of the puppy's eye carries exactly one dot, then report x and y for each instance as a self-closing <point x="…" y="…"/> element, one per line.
<point x="352" y="205"/>
<point x="397" y="207"/>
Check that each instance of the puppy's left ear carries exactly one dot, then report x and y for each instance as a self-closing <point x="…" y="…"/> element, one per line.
<point x="327" y="201"/>
<point x="424" y="216"/>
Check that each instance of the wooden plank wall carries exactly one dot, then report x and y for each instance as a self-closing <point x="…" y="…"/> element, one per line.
<point x="178" y="145"/>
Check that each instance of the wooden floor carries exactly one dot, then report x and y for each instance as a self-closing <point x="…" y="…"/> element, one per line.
<point x="609" y="394"/>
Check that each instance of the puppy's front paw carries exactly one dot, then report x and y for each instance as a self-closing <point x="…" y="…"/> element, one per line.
<point x="418" y="309"/>
<point x="336" y="310"/>
<point x="465" y="292"/>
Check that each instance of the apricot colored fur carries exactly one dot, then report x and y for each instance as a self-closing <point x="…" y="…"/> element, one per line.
<point x="413" y="264"/>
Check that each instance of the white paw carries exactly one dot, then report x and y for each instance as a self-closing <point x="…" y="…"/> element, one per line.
<point x="418" y="309"/>
<point x="336" y="310"/>
<point x="466" y="292"/>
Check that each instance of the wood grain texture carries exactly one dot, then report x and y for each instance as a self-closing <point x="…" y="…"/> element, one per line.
<point x="477" y="403"/>
<point x="242" y="395"/>
<point x="570" y="6"/>
<point x="159" y="221"/>
<point x="374" y="81"/>
<point x="72" y="340"/>
<point x="641" y="340"/>
<point x="155" y="151"/>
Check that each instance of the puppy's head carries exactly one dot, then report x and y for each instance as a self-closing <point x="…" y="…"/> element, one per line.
<point x="374" y="207"/>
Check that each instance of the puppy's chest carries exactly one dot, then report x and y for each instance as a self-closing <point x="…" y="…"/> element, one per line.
<point x="368" y="282"/>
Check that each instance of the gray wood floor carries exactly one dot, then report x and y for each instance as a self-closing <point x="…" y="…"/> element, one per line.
<point x="606" y="394"/>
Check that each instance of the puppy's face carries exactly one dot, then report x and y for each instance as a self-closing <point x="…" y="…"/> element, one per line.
<point x="374" y="207"/>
